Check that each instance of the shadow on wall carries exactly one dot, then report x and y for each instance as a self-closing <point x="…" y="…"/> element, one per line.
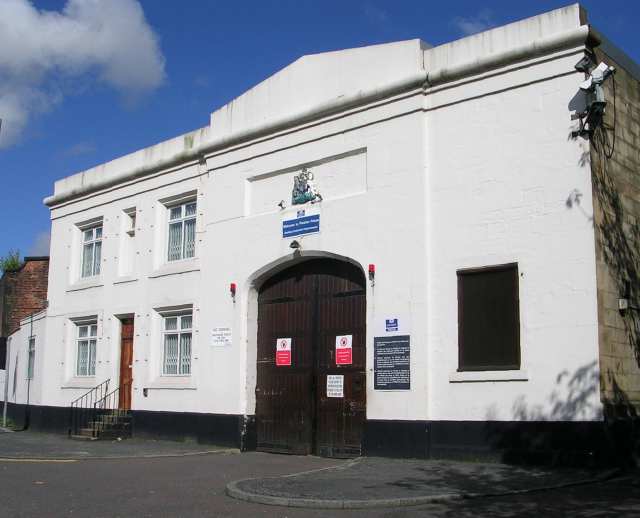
<point x="618" y="235"/>
<point x="577" y="404"/>
<point x="617" y="229"/>
<point x="567" y="429"/>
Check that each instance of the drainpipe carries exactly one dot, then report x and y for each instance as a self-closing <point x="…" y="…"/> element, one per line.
<point x="27" y="410"/>
<point x="6" y="383"/>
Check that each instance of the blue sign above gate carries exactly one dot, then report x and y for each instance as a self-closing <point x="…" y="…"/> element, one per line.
<point x="301" y="226"/>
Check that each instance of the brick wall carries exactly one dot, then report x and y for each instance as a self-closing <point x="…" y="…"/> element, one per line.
<point x="616" y="187"/>
<point x="22" y="293"/>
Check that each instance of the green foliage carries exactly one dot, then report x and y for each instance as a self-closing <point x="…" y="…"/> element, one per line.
<point x="10" y="262"/>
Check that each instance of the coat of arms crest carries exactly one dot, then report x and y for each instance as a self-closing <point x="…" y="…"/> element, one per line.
<point x="304" y="189"/>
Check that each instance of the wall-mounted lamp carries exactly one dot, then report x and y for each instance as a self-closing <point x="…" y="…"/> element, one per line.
<point x="282" y="205"/>
<point x="372" y="274"/>
<point x="232" y="290"/>
<point x="624" y="302"/>
<point x="625" y="305"/>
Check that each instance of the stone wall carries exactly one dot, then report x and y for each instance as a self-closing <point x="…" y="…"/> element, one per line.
<point x="615" y="166"/>
<point x="22" y="293"/>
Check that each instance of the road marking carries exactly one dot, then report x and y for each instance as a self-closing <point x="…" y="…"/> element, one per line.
<point x="37" y="460"/>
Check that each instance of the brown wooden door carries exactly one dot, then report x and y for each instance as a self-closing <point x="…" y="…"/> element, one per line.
<point x="126" y="362"/>
<point x="311" y="303"/>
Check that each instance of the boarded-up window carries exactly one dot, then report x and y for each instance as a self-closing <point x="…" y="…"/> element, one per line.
<point x="488" y="319"/>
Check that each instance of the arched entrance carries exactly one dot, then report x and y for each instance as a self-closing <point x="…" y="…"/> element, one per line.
<point x="312" y="303"/>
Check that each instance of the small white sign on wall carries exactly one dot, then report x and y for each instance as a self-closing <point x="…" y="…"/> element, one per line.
<point x="389" y="324"/>
<point x="335" y="385"/>
<point x="221" y="337"/>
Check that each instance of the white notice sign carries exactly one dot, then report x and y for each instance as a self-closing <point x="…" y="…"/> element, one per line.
<point x="221" y="337"/>
<point x="335" y="385"/>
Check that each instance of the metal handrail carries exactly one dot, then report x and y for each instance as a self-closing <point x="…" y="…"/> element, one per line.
<point x="82" y="409"/>
<point x="97" y="387"/>
<point x="109" y="406"/>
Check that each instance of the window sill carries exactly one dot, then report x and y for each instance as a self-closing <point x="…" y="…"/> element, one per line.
<point x="173" y="383"/>
<point x="124" y="280"/>
<point x="187" y="266"/>
<point x="85" y="285"/>
<point x="87" y="383"/>
<point x="485" y="376"/>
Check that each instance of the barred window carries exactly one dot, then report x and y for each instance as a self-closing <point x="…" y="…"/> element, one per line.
<point x="182" y="231"/>
<point x="91" y="251"/>
<point x="86" y="349"/>
<point x="177" y="334"/>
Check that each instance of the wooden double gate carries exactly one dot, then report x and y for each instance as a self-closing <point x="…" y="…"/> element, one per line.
<point x="311" y="303"/>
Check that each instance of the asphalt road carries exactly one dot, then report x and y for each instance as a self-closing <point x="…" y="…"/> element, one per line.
<point x="194" y="486"/>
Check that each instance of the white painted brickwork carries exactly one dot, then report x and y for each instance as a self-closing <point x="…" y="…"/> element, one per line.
<point x="426" y="181"/>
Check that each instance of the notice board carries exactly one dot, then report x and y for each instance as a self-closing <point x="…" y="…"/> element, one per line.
<point x="392" y="362"/>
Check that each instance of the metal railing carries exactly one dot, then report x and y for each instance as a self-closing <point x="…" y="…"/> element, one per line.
<point x="112" y="411"/>
<point x="82" y="411"/>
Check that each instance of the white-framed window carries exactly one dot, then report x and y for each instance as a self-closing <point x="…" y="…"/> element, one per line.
<point x="86" y="339"/>
<point x="176" y="339"/>
<point x="130" y="221"/>
<point x="31" y="352"/>
<point x="181" y="242"/>
<point x="91" y="251"/>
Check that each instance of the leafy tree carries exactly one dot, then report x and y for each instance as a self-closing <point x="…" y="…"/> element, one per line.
<point x="10" y="262"/>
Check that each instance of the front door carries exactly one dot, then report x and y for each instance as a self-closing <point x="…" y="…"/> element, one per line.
<point x="312" y="304"/>
<point x="126" y="361"/>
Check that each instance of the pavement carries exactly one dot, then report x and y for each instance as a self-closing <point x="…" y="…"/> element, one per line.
<point x="33" y="445"/>
<point x="370" y="482"/>
<point x="50" y="475"/>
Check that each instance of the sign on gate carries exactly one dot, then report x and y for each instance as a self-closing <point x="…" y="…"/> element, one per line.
<point x="344" y="351"/>
<point x="335" y="385"/>
<point x="283" y="352"/>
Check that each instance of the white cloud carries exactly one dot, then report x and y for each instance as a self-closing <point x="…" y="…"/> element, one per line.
<point x="108" y="40"/>
<point x="41" y="244"/>
<point x="474" y="24"/>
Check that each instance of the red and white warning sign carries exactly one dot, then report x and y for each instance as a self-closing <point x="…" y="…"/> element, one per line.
<point x="344" y="350"/>
<point x="283" y="352"/>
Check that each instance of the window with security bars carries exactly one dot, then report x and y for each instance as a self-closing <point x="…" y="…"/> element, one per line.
<point x="488" y="319"/>
<point x="31" y="356"/>
<point x="177" y="335"/>
<point x="91" y="251"/>
<point x="182" y="231"/>
<point x="86" y="349"/>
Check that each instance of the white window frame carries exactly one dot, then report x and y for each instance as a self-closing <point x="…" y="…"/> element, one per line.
<point x="183" y="358"/>
<point x="182" y="219"/>
<point x="131" y="221"/>
<point x="31" y="356"/>
<point x="94" y="242"/>
<point x="90" y="338"/>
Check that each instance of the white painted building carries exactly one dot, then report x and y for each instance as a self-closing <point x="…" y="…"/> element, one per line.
<point x="431" y="162"/>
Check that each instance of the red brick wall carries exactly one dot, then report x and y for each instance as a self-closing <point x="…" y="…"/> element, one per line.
<point x="22" y="293"/>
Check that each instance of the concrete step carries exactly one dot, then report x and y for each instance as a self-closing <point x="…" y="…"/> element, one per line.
<point x="110" y="421"/>
<point x="113" y="417"/>
<point x="114" y="435"/>
<point x="83" y="438"/>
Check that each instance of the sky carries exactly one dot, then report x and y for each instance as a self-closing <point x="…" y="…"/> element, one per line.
<point x="85" y="81"/>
